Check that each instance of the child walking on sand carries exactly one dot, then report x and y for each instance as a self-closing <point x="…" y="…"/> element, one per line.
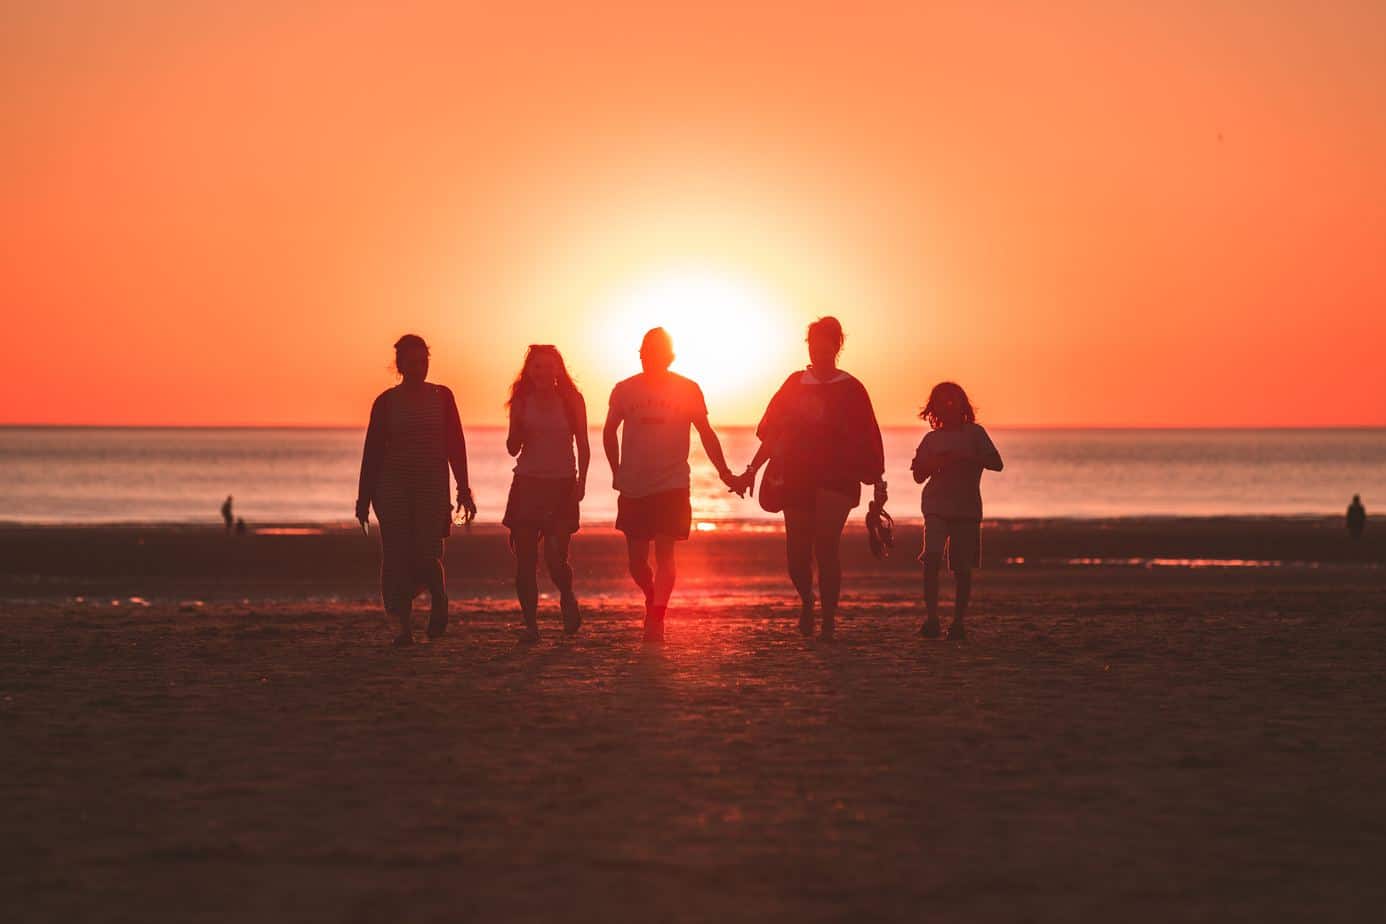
<point x="949" y="463"/>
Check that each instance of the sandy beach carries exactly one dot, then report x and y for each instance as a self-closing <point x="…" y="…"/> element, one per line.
<point x="198" y="726"/>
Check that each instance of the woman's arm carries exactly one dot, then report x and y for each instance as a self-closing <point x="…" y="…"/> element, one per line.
<point x="874" y="448"/>
<point x="514" y="436"/>
<point x="457" y="455"/>
<point x="372" y="457"/>
<point x="584" y="447"/>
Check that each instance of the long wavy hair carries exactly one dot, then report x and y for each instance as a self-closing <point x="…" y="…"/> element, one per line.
<point x="936" y="396"/>
<point x="567" y="388"/>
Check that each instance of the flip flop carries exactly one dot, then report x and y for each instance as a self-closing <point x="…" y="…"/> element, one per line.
<point x="880" y="530"/>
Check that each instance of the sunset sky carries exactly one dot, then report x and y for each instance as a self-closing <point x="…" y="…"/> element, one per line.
<point x="1116" y="214"/>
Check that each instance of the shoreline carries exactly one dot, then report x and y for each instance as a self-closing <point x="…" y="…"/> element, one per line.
<point x="731" y="524"/>
<point x="289" y="562"/>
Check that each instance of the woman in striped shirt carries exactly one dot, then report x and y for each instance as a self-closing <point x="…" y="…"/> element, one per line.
<point x="414" y="436"/>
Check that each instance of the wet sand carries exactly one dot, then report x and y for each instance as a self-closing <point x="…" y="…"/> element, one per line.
<point x="1117" y="742"/>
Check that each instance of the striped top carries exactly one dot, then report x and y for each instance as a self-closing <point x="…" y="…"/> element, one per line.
<point x="414" y="436"/>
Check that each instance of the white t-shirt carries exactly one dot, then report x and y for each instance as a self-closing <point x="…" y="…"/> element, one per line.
<point x="656" y="411"/>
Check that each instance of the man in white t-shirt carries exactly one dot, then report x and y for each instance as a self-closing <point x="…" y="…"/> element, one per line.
<point x="649" y="467"/>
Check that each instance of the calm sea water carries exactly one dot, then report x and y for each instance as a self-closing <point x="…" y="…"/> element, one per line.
<point x="105" y="475"/>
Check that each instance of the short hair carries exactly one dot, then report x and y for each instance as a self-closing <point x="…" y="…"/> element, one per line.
<point x="829" y="328"/>
<point x="657" y="346"/>
<point x="410" y="342"/>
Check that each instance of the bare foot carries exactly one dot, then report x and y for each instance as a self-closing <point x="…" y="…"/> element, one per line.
<point x="572" y="614"/>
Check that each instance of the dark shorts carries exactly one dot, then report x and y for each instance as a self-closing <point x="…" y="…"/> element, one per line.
<point x="666" y="515"/>
<point x="960" y="539"/>
<point x="543" y="504"/>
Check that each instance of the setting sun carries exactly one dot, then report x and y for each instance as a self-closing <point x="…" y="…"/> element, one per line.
<point x="730" y="334"/>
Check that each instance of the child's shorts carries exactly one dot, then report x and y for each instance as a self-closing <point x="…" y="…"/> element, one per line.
<point x="961" y="538"/>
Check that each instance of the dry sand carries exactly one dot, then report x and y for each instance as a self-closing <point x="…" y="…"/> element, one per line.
<point x="1111" y="743"/>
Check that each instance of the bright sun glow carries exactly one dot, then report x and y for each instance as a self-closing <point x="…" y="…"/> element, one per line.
<point x="730" y="335"/>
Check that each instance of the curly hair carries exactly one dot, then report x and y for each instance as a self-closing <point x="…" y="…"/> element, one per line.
<point x="567" y="388"/>
<point x="945" y="390"/>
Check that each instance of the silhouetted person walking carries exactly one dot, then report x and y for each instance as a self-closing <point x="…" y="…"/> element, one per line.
<point x="548" y="419"/>
<point x="820" y="435"/>
<point x="414" y="435"/>
<point x="226" y="514"/>
<point x="649" y="468"/>
<point x="949" y="463"/>
<point x="1356" y="517"/>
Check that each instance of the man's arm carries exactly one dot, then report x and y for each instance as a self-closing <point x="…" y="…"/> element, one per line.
<point x="713" y="447"/>
<point x="611" y="442"/>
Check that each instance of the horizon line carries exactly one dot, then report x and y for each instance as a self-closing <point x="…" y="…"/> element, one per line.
<point x="748" y="426"/>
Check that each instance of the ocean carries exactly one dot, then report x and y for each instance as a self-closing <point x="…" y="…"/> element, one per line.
<point x="155" y="475"/>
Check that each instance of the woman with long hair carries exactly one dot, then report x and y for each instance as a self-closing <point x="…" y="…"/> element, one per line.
<point x="414" y="436"/>
<point x="820" y="435"/>
<point x="548" y="419"/>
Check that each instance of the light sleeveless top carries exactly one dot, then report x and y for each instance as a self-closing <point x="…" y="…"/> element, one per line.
<point x="548" y="448"/>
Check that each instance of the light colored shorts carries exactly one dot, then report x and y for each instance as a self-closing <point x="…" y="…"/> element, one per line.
<point x="961" y="539"/>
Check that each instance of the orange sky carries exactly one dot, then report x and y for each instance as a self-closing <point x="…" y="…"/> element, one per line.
<point x="1089" y="214"/>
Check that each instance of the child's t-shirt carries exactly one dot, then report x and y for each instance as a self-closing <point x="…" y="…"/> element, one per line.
<point x="955" y="490"/>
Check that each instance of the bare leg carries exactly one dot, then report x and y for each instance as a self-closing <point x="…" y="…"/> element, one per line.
<point x="798" y="547"/>
<point x="435" y="579"/>
<point x="829" y="521"/>
<point x="561" y="573"/>
<point x="963" y="582"/>
<point x="556" y="558"/>
<point x="930" y="629"/>
<point x="664" y="572"/>
<point x="525" y="543"/>
<point x="638" y="551"/>
<point x="397" y="580"/>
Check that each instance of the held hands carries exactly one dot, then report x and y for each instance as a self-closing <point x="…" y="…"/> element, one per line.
<point x="466" y="507"/>
<point x="735" y="483"/>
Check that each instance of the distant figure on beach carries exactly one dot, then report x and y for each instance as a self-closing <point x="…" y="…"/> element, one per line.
<point x="548" y="418"/>
<point x="226" y="515"/>
<point x="649" y="467"/>
<point x="1356" y="517"/>
<point x="820" y="436"/>
<point x="414" y="435"/>
<point x="949" y="463"/>
<point x="240" y="526"/>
